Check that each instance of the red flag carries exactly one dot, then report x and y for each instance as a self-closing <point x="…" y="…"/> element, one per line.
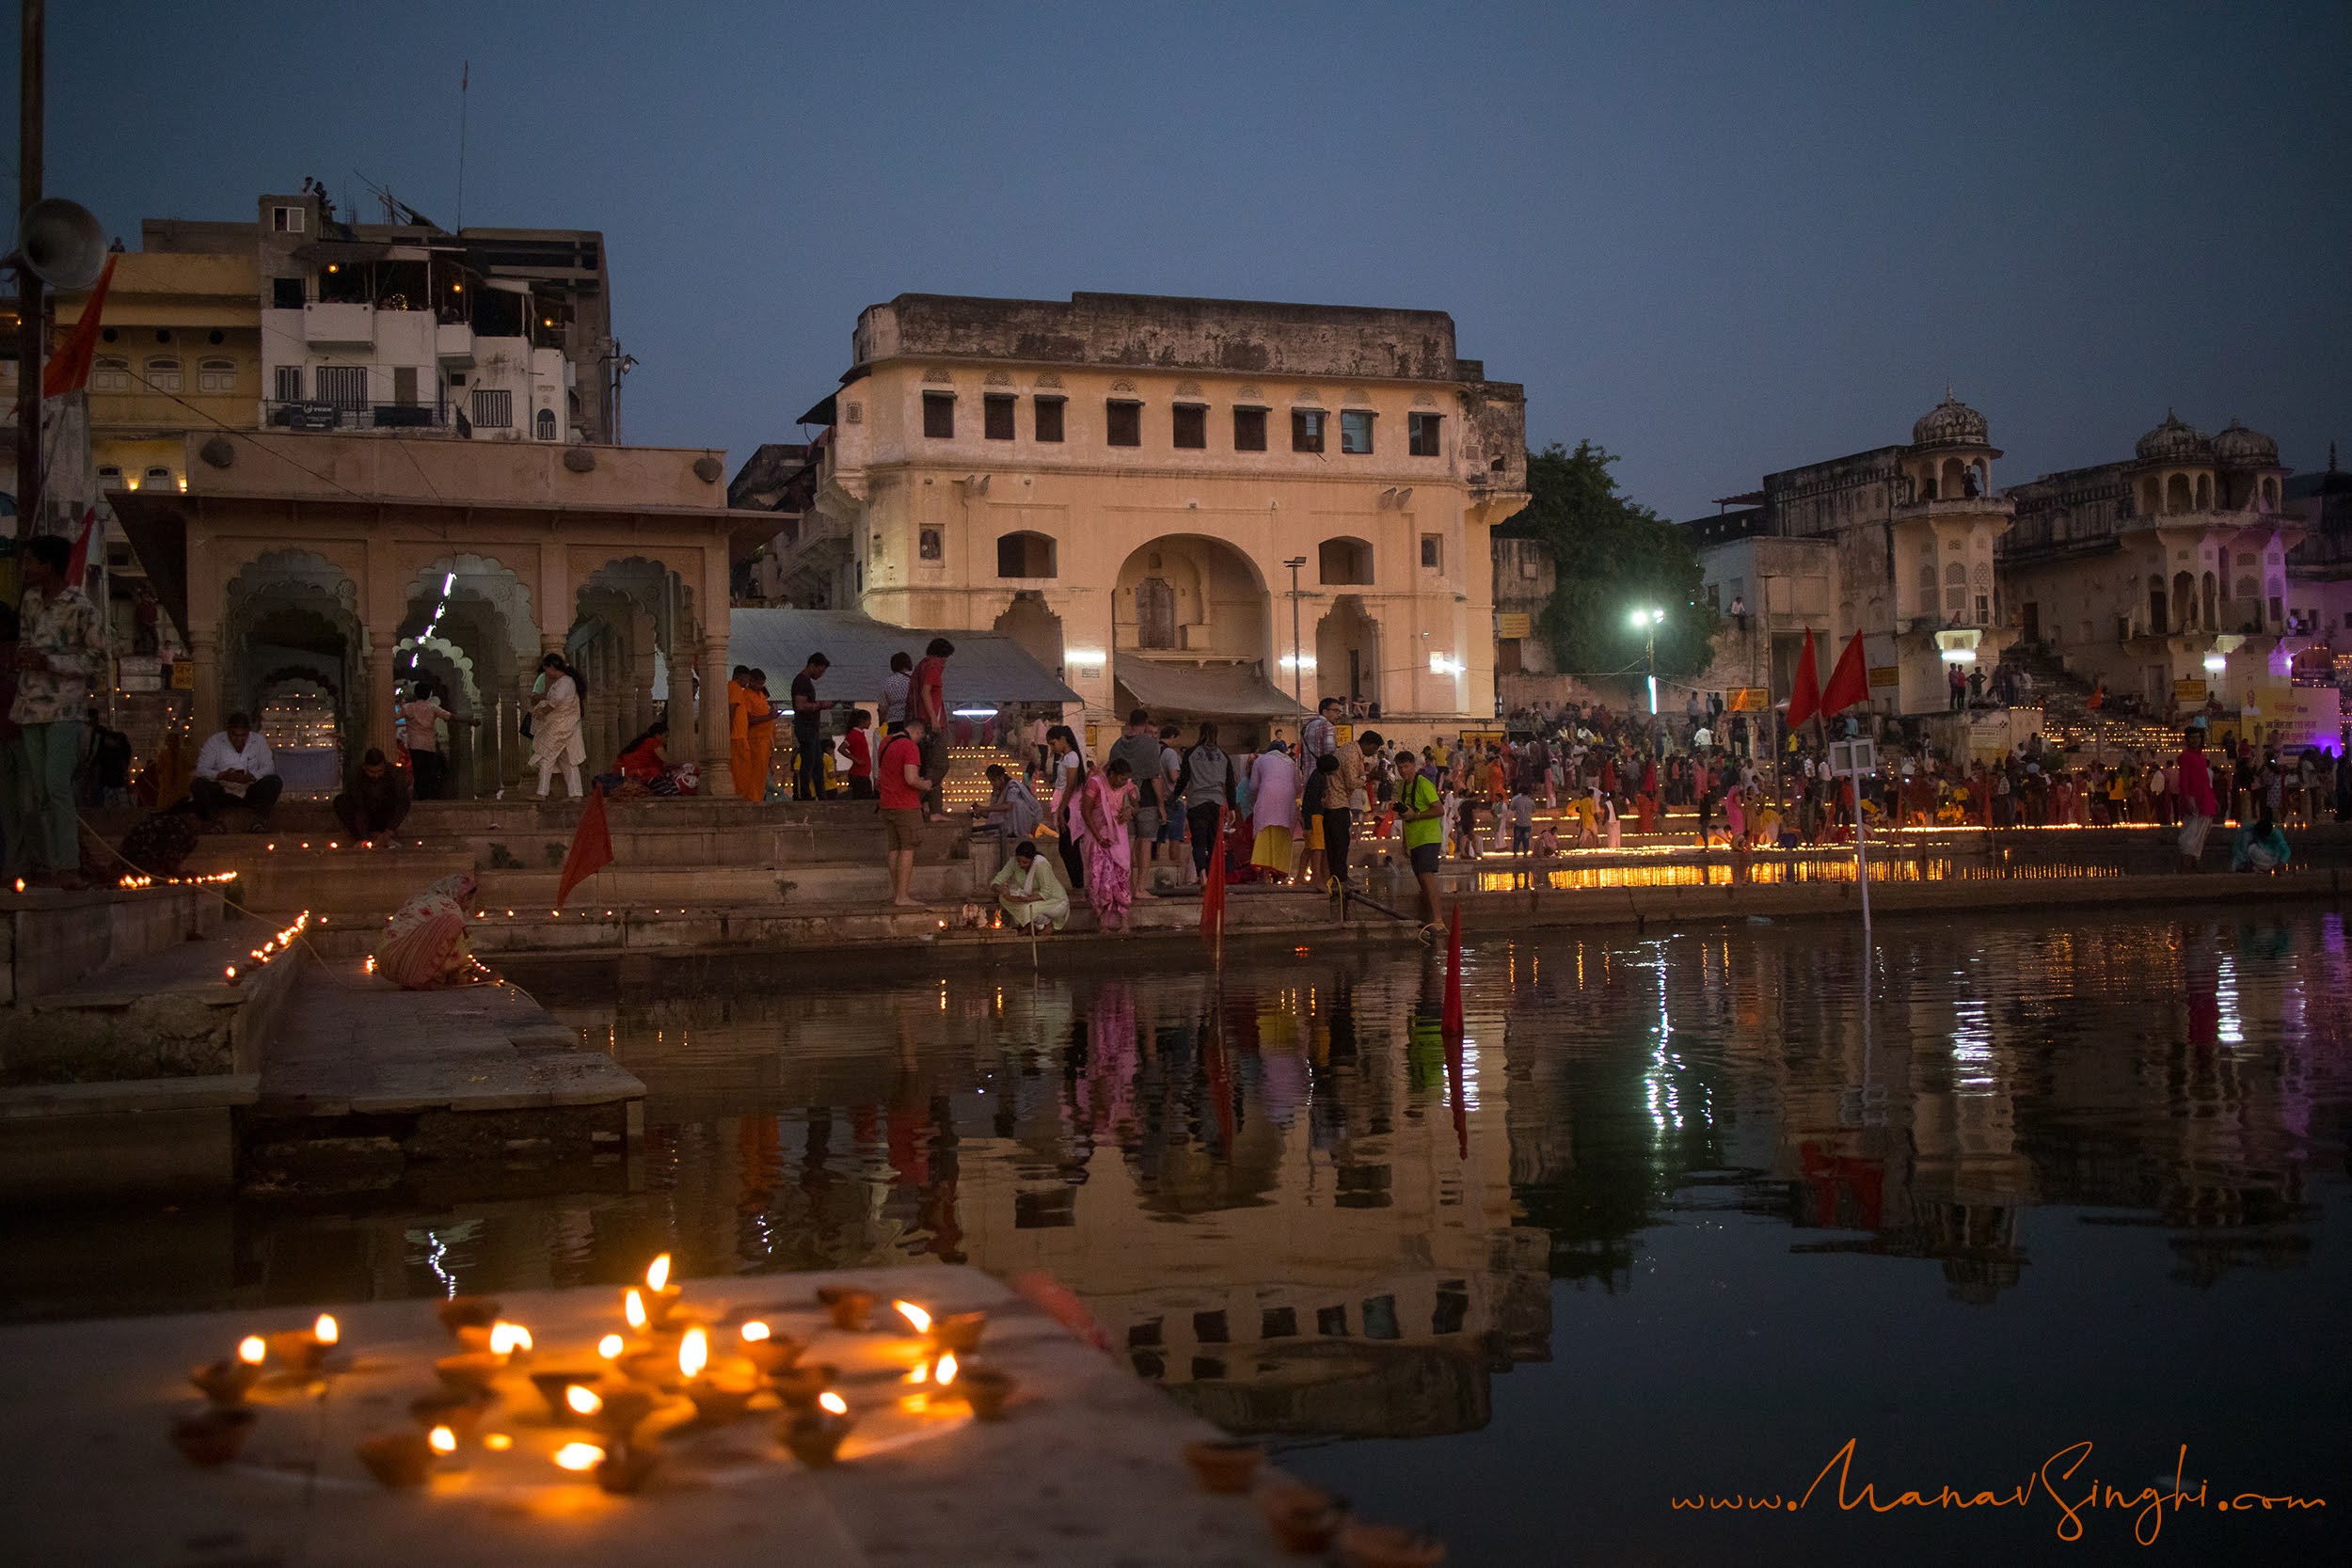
<point x="1805" y="697"/>
<point x="592" y="847"/>
<point x="1452" y="1022"/>
<point x="1212" y="887"/>
<point x="1849" y="683"/>
<point x="68" y="369"/>
<point x="2098" y="698"/>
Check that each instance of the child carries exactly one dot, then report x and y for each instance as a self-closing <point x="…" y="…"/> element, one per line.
<point x="1462" y="810"/>
<point x="1522" y="821"/>
<point x="857" y="748"/>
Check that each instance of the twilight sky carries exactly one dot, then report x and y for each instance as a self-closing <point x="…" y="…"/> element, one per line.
<point x="1718" y="240"/>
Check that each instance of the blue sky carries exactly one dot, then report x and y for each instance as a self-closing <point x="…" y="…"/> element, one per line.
<point x="1716" y="239"/>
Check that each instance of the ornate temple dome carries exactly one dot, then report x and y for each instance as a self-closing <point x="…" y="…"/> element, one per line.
<point x="1949" y="423"/>
<point x="2174" y="442"/>
<point x="2240" y="448"/>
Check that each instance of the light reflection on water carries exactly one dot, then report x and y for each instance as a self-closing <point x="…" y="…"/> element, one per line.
<point x="1295" y="1206"/>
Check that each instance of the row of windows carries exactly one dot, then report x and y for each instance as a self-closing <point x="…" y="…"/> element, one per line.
<point x="1339" y="562"/>
<point x="1188" y="424"/>
<point x="346" y="386"/>
<point x="163" y="376"/>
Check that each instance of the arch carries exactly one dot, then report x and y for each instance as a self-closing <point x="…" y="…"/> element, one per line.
<point x="1027" y="554"/>
<point x="2177" y="495"/>
<point x="2158" y="622"/>
<point x="1951" y="482"/>
<point x="2270" y="495"/>
<point x="629" y="615"/>
<point x="2148" y="496"/>
<point x="1927" y="582"/>
<point x="1034" y="627"/>
<point x="293" y="608"/>
<point x="1192" y="593"/>
<point x="2204" y="492"/>
<point x="1955" y="591"/>
<point x="469" y="622"/>
<point x="543" y="425"/>
<point x="1347" y="654"/>
<point x="2183" y="601"/>
<point x="1343" y="560"/>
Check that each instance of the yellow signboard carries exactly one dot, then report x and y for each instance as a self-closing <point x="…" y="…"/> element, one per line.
<point x="1473" y="739"/>
<point x="183" y="676"/>
<point x="1887" y="674"/>
<point x="1514" y="624"/>
<point x="1747" y="699"/>
<point x="2188" y="691"/>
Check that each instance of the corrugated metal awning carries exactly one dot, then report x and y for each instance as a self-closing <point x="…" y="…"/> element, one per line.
<point x="1202" y="690"/>
<point x="988" y="668"/>
<point x="821" y="414"/>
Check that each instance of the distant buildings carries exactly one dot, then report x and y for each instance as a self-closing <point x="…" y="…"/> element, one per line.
<point x="1204" y="507"/>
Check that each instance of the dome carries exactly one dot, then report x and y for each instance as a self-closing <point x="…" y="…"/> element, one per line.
<point x="2240" y="448"/>
<point x="2174" y="442"/>
<point x="1949" y="423"/>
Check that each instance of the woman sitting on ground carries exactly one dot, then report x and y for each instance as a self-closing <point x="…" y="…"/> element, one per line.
<point x="424" y="946"/>
<point x="1012" y="805"/>
<point x="1027" y="891"/>
<point x="2261" y="846"/>
<point x="644" y="763"/>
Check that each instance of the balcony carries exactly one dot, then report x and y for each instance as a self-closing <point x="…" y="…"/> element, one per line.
<point x="340" y="324"/>
<point x="313" y="415"/>
<point x="1956" y="509"/>
<point x="452" y="345"/>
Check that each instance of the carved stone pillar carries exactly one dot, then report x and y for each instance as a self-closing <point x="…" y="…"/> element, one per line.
<point x="377" y="691"/>
<point x="204" y="663"/>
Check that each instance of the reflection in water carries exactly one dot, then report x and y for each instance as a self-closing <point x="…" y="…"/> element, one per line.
<point x="1295" y="1205"/>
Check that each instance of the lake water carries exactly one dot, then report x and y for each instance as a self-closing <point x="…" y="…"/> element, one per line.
<point x="1678" y="1218"/>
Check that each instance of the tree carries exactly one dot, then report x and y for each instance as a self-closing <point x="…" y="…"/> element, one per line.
<point x="1613" y="555"/>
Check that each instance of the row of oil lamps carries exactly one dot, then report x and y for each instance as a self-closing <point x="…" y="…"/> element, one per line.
<point x="668" y="1353"/>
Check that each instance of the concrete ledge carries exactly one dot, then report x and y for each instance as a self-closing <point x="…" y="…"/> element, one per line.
<point x="131" y="1095"/>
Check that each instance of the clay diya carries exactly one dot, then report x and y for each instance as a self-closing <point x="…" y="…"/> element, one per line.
<point x="1303" y="1519"/>
<point x="722" y="1397"/>
<point x="625" y="1468"/>
<point x="851" y="1309"/>
<point x="661" y="1296"/>
<point x="463" y="1312"/>
<point x="473" y="1373"/>
<point x="227" y="1382"/>
<point x="800" y="1387"/>
<point x="1363" y="1545"/>
<point x="815" y="1435"/>
<point x="398" y="1458"/>
<point x="1224" y="1463"/>
<point x="769" y="1352"/>
<point x="657" y="1369"/>
<point x="959" y="1333"/>
<point x="624" y="1409"/>
<point x="556" y="1386"/>
<point x="304" y="1350"/>
<point x="461" y="1413"/>
<point x="213" y="1436"/>
<point x="986" y="1389"/>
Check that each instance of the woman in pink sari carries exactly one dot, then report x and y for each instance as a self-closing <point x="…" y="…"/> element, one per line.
<point x="424" y="946"/>
<point x="1104" y="806"/>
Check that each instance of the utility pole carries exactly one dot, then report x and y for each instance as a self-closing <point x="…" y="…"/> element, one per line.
<point x="1298" y="664"/>
<point x="31" y="348"/>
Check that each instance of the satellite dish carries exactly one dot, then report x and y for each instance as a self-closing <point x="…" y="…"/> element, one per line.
<point x="61" y="243"/>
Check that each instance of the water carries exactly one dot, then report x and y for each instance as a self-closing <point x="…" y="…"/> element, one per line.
<point x="1681" y="1217"/>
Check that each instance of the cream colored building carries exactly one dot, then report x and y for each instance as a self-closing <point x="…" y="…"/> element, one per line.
<point x="1204" y="507"/>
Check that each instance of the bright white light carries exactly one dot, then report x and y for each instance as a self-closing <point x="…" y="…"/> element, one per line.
<point x="1960" y="655"/>
<point x="1298" y="661"/>
<point x="1441" y="665"/>
<point x="2216" y="663"/>
<point x="1653" y="695"/>
<point x="447" y="584"/>
<point x="1086" y="656"/>
<point x="974" y="712"/>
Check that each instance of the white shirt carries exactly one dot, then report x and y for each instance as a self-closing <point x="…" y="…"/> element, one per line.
<point x="220" y="755"/>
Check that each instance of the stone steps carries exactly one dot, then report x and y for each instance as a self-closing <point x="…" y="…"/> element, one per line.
<point x="54" y="939"/>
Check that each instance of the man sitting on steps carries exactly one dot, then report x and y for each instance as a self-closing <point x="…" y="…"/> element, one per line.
<point x="375" y="801"/>
<point x="235" y="769"/>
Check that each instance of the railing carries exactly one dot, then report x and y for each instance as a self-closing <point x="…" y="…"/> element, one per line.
<point x="323" y="415"/>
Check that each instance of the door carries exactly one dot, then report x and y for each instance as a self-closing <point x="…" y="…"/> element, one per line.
<point x="1155" y="614"/>
<point x="2033" y="622"/>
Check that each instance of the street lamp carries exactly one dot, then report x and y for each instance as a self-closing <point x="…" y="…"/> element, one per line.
<point x="1298" y="661"/>
<point x="1647" y="621"/>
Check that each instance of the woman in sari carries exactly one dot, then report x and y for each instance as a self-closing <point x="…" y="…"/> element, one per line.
<point x="1011" y="804"/>
<point x="2261" y="846"/>
<point x="1104" y="806"/>
<point x="644" y="763"/>
<point x="424" y="946"/>
<point x="1029" y="892"/>
<point x="555" y="724"/>
<point x="752" y="737"/>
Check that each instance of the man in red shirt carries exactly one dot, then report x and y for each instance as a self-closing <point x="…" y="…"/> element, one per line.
<point x="902" y="784"/>
<point x="927" y="700"/>
<point x="2198" y="804"/>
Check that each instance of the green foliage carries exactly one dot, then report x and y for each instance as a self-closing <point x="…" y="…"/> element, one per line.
<point x="1614" y="555"/>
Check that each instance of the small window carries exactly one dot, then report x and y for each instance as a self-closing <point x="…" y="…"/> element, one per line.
<point x="110" y="376"/>
<point x="1049" y="419"/>
<point x="930" y="543"/>
<point x="1277" y="1323"/>
<point x="1432" y="552"/>
<point x="1331" y="1321"/>
<point x="288" y="379"/>
<point x="493" y="408"/>
<point x="1123" y="423"/>
<point x="1191" y="425"/>
<point x="1356" y="431"/>
<point x="285" y="294"/>
<point x="163" y="376"/>
<point x="110" y="478"/>
<point x="996" y="417"/>
<point x="1306" y="429"/>
<point x="545" y="424"/>
<point x="1025" y="555"/>
<point x="1250" y="430"/>
<point x="158" y="476"/>
<point x="286" y="220"/>
<point x="345" y="385"/>
<point x="216" y="376"/>
<point x="1421" y="433"/>
<point x="939" y="416"/>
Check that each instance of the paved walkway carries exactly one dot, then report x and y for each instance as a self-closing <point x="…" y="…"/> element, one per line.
<point x="1087" y="1469"/>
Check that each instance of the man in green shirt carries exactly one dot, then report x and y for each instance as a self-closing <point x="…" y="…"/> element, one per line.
<point x="1422" y="814"/>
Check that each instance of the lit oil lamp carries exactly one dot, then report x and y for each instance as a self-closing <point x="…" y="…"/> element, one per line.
<point x="624" y="1469"/>
<point x="565" y="1390"/>
<point x="228" y="1381"/>
<point x="401" y="1458"/>
<point x="459" y="1412"/>
<point x="801" y="1385"/>
<point x="464" y="1312"/>
<point x="511" y="1341"/>
<point x="305" y="1349"/>
<point x="851" y="1309"/>
<point x="442" y="1441"/>
<point x="621" y="1411"/>
<point x="769" y="1352"/>
<point x="578" y="1457"/>
<point x="815" y="1435"/>
<point x="213" y="1436"/>
<point x="609" y="1347"/>
<point x="661" y="1297"/>
<point x="472" y="1372"/>
<point x="959" y="1332"/>
<point x="719" y="1395"/>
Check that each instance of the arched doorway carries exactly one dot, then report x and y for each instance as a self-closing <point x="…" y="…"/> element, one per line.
<point x="624" y="641"/>
<point x="292" y="615"/>
<point x="1347" y="655"/>
<point x="1185" y="593"/>
<point x="1034" y="629"/>
<point x="2185" y="600"/>
<point x="469" y="629"/>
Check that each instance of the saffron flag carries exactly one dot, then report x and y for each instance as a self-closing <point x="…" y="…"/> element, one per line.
<point x="68" y="369"/>
<point x="1849" y="683"/>
<point x="2098" y="698"/>
<point x="1212" y="886"/>
<point x="1805" y="697"/>
<point x="592" y="847"/>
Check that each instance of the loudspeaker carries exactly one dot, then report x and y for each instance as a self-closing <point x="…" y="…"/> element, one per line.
<point x="62" y="243"/>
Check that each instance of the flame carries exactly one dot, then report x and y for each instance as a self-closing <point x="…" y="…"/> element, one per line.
<point x="693" y="1353"/>
<point x="610" y="1345"/>
<point x="506" y="1339"/>
<point x="944" y="1372"/>
<point x="442" y="1439"/>
<point x="633" y="1308"/>
<point x="582" y="1401"/>
<point x="834" y="1403"/>
<point x="497" y="1442"/>
<point x="326" y="1330"/>
<point x="914" y="1315"/>
<point x="252" y="1350"/>
<point x="922" y="1372"/>
<point x="755" y="1331"/>
<point x="658" y="1272"/>
<point x="580" y="1456"/>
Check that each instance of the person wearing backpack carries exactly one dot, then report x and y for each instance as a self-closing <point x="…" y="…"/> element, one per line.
<point x="1204" y="782"/>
